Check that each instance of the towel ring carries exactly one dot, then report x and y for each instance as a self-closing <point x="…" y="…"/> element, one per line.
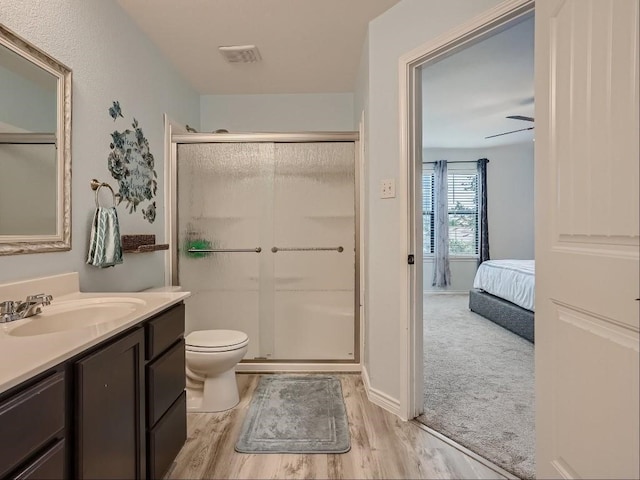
<point x="96" y="186"/>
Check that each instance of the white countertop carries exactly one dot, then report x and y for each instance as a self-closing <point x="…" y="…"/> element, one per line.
<point x="22" y="357"/>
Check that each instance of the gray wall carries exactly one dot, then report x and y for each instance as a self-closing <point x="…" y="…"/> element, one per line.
<point x="277" y="113"/>
<point x="111" y="59"/>
<point x="510" y="207"/>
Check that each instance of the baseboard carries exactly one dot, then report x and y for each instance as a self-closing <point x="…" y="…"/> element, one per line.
<point x="379" y="398"/>
<point x="257" y="367"/>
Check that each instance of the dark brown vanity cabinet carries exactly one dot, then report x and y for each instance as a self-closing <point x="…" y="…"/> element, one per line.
<point x="109" y="426"/>
<point x="116" y="410"/>
<point x="131" y="420"/>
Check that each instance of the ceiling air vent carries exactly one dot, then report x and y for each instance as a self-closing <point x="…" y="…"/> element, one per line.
<point x="240" y="53"/>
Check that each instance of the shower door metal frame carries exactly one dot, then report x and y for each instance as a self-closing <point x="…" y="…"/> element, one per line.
<point x="296" y="137"/>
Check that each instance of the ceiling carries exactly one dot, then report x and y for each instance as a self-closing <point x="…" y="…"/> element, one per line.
<point x="315" y="46"/>
<point x="307" y="46"/>
<point x="467" y="95"/>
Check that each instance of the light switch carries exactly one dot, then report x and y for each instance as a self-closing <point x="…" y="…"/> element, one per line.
<point x="387" y="188"/>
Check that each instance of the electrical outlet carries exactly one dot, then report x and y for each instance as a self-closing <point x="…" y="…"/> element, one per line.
<point x="387" y="188"/>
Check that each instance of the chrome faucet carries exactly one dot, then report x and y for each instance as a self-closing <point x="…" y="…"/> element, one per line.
<point x="17" y="310"/>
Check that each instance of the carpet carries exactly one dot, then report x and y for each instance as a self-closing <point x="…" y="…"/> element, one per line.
<point x="296" y="414"/>
<point x="479" y="384"/>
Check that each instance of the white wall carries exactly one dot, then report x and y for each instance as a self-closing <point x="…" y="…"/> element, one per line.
<point x="404" y="27"/>
<point x="111" y="59"/>
<point x="510" y="206"/>
<point x="510" y="177"/>
<point x="277" y="113"/>
<point x="463" y="271"/>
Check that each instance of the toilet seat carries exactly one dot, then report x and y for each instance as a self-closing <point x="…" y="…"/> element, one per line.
<point x="215" y="340"/>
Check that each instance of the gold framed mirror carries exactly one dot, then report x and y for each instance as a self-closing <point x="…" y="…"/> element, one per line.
<point x="35" y="149"/>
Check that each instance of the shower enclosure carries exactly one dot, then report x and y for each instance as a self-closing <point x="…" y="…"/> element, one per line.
<point x="265" y="240"/>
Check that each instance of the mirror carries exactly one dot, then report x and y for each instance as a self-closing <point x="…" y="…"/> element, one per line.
<point x="35" y="149"/>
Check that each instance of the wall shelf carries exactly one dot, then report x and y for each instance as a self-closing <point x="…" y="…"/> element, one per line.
<point x="141" y="243"/>
<point x="346" y="216"/>
<point x="148" y="248"/>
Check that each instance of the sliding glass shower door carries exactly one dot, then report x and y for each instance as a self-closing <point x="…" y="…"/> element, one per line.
<point x="266" y="245"/>
<point x="221" y="206"/>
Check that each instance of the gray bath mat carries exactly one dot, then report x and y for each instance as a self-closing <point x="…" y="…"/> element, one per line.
<point x="296" y="414"/>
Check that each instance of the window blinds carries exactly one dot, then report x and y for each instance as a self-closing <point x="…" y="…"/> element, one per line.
<point x="462" y="194"/>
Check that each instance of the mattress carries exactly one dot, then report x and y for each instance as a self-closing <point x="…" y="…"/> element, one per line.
<point x="512" y="280"/>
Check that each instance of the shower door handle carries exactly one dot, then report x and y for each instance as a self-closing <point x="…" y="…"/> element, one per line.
<point x="308" y="249"/>
<point x="225" y="250"/>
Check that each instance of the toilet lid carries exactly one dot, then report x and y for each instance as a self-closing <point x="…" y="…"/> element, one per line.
<point x="216" y="339"/>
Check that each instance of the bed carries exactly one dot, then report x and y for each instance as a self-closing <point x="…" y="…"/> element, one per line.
<point x="504" y="292"/>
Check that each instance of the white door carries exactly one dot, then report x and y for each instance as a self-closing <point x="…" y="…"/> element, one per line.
<point x="587" y="240"/>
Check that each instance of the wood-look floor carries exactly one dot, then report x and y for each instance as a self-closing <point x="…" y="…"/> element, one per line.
<point x="382" y="446"/>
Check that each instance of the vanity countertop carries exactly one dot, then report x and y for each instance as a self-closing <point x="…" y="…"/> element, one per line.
<point x="22" y="357"/>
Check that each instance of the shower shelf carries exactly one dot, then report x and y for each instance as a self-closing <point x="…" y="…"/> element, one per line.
<point x="141" y="243"/>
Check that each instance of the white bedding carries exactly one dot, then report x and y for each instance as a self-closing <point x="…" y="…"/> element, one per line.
<point x="513" y="280"/>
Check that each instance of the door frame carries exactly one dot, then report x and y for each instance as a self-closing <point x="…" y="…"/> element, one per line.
<point x="489" y="23"/>
<point x="171" y="127"/>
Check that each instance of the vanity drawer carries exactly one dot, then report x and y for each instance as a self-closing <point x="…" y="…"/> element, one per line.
<point x="167" y="438"/>
<point x="30" y="419"/>
<point x="164" y="330"/>
<point x="165" y="382"/>
<point x="48" y="466"/>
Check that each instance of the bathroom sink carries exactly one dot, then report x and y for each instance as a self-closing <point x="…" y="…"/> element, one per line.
<point x="76" y="314"/>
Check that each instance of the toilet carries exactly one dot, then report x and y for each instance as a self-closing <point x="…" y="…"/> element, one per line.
<point x="211" y="359"/>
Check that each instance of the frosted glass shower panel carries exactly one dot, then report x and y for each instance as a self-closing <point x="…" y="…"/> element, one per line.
<point x="224" y="192"/>
<point x="294" y="201"/>
<point x="314" y="288"/>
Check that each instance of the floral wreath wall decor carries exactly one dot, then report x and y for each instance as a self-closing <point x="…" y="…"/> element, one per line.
<point x="132" y="165"/>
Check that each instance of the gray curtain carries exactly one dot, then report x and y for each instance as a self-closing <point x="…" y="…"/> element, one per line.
<point x="441" y="271"/>
<point x="483" y="221"/>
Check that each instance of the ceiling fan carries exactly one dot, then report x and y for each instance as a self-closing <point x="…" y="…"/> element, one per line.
<point x="515" y="117"/>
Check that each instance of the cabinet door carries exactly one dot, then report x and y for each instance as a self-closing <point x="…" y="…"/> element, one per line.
<point x="167" y="438"/>
<point x="110" y="411"/>
<point x="30" y="420"/>
<point x="165" y="382"/>
<point x="48" y="466"/>
<point x="164" y="330"/>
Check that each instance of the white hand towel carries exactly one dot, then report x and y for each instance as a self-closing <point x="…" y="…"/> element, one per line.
<point x="105" y="248"/>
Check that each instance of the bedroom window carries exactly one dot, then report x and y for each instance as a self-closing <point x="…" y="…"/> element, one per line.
<point x="462" y="212"/>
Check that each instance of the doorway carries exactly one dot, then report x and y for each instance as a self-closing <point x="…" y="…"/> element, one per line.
<point x="578" y="313"/>
<point x="419" y="277"/>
